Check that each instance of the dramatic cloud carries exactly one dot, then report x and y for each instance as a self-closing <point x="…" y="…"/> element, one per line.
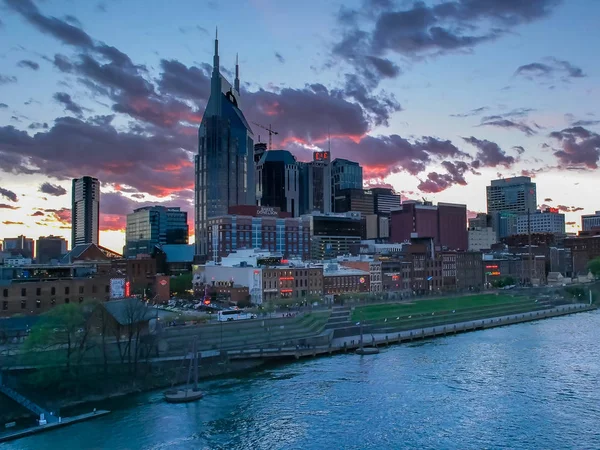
<point x="5" y="79"/>
<point x="37" y="214"/>
<point x="586" y="123"/>
<point x="571" y="224"/>
<point x="520" y="150"/>
<point x="437" y="182"/>
<point x="579" y="147"/>
<point x="424" y="30"/>
<point x="505" y="123"/>
<point x="553" y="67"/>
<point x="5" y="206"/>
<point x="547" y="199"/>
<point x="157" y="164"/>
<point x="10" y="195"/>
<point x="10" y="222"/>
<point x="68" y="103"/>
<point x="489" y="154"/>
<point x="562" y="208"/>
<point x="62" y="216"/>
<point x="280" y="58"/>
<point x="52" y="189"/>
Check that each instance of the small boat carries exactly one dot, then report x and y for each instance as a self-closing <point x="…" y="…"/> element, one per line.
<point x="190" y="392"/>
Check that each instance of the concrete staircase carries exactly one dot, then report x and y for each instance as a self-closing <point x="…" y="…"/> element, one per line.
<point x="26" y="403"/>
<point x="340" y="322"/>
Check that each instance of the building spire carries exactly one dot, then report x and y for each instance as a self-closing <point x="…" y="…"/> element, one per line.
<point x="236" y="83"/>
<point x="216" y="56"/>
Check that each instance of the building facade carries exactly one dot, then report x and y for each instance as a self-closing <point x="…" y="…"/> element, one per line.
<point x="345" y="174"/>
<point x="445" y="223"/>
<point x="516" y="195"/>
<point x="333" y="235"/>
<point x="590" y="221"/>
<point x="258" y="227"/>
<point x="340" y="280"/>
<point x="360" y="200"/>
<point x="154" y="225"/>
<point x="547" y="221"/>
<point x="366" y="265"/>
<point x="224" y="165"/>
<point x="85" y="211"/>
<point x="315" y="184"/>
<point x="385" y="200"/>
<point x="35" y="289"/>
<point x="481" y="238"/>
<point x="20" y="245"/>
<point x="278" y="181"/>
<point x="49" y="248"/>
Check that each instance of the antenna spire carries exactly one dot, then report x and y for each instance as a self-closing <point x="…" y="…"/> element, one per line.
<point x="236" y="83"/>
<point x="216" y="56"/>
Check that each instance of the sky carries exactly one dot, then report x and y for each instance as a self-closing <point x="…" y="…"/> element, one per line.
<point x="433" y="98"/>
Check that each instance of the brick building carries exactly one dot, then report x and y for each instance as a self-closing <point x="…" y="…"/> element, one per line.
<point x="248" y="227"/>
<point x="339" y="280"/>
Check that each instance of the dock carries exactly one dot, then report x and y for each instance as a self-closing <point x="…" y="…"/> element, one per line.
<point x="63" y="422"/>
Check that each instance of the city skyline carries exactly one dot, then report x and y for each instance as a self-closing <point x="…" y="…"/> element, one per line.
<point x="433" y="110"/>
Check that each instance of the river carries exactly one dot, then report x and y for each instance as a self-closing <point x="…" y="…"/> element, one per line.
<point x="528" y="386"/>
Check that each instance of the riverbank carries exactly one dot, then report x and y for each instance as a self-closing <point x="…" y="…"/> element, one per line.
<point x="244" y="361"/>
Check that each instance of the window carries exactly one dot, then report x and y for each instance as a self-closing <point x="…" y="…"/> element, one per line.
<point x="53" y="291"/>
<point x="23" y="292"/>
<point x="4" y="305"/>
<point x="67" y="300"/>
<point x="23" y="304"/>
<point x="107" y="289"/>
<point x="5" y="294"/>
<point x="38" y="291"/>
<point x="38" y="303"/>
<point x="94" y="289"/>
<point x="67" y="290"/>
<point x="81" y="289"/>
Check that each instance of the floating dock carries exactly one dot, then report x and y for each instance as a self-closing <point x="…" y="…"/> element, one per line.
<point x="11" y="436"/>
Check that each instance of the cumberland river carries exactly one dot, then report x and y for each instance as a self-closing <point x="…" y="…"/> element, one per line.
<point x="527" y="386"/>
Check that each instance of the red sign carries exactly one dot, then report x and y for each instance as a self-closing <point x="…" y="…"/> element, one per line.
<point x="127" y="288"/>
<point x="321" y="156"/>
<point x="491" y="267"/>
<point x="163" y="282"/>
<point x="552" y="210"/>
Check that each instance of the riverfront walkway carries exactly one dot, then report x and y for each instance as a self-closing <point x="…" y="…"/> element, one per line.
<point x="377" y="339"/>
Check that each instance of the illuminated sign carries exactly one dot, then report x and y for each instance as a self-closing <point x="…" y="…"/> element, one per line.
<point x="491" y="267"/>
<point x="127" y="288"/>
<point x="284" y="291"/>
<point x="395" y="277"/>
<point x="117" y="287"/>
<point x="552" y="210"/>
<point x="495" y="273"/>
<point x="361" y="280"/>
<point x="321" y="156"/>
<point x="163" y="282"/>
<point x="286" y="278"/>
<point x="266" y="211"/>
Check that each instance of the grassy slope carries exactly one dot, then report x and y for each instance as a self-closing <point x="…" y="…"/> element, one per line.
<point x="377" y="312"/>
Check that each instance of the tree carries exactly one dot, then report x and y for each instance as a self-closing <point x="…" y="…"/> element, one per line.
<point x="181" y="284"/>
<point x="594" y="267"/>
<point x="62" y="332"/>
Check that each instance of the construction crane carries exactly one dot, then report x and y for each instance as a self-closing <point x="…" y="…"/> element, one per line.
<point x="271" y="132"/>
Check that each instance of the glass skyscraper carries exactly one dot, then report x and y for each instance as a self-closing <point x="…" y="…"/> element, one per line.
<point x="225" y="161"/>
<point x="154" y="225"/>
<point x="85" y="211"/>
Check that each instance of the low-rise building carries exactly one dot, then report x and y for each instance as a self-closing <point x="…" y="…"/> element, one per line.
<point x="366" y="264"/>
<point x="481" y="238"/>
<point x="35" y="289"/>
<point x="342" y="280"/>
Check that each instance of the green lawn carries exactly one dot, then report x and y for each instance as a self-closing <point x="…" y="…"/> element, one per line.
<point x="379" y="312"/>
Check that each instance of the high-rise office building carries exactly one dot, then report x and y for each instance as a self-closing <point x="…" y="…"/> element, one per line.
<point x="360" y="200"/>
<point x="225" y="161"/>
<point x="315" y="184"/>
<point x="515" y="195"/>
<point x="49" y="248"/>
<point x="590" y="221"/>
<point x="345" y="175"/>
<point x="445" y="223"/>
<point x="259" y="150"/>
<point x="19" y="246"/>
<point x="154" y="225"/>
<point x="85" y="211"/>
<point x="277" y="181"/>
<point x="385" y="200"/>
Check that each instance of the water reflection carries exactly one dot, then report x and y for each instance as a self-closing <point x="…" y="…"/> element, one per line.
<point x="527" y="386"/>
